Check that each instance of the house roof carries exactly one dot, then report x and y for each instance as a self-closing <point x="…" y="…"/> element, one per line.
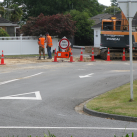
<point x="97" y="18"/>
<point x="4" y="22"/>
<point x="118" y="16"/>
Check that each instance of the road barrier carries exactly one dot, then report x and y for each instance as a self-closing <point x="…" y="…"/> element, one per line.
<point x="81" y="56"/>
<point x="2" y="59"/>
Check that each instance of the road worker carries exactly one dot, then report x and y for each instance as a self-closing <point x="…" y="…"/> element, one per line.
<point x="49" y="45"/>
<point x="41" y="43"/>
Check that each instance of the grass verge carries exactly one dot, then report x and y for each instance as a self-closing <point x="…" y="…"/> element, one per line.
<point x="116" y="101"/>
<point x="24" y="56"/>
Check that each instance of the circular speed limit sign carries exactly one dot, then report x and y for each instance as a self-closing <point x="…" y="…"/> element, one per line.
<point x="64" y="43"/>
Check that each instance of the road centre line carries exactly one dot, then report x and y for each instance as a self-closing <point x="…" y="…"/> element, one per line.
<point x="82" y="128"/>
<point x="9" y="81"/>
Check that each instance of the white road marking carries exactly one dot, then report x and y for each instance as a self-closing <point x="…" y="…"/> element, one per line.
<point x="91" y="128"/>
<point x="37" y="94"/>
<point x="9" y="81"/>
<point x="90" y="64"/>
<point x="5" y="82"/>
<point x="32" y="75"/>
<point x="126" y="63"/>
<point x="86" y="76"/>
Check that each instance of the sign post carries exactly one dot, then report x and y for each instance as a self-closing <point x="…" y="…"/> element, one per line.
<point x="63" y="44"/>
<point x="129" y="9"/>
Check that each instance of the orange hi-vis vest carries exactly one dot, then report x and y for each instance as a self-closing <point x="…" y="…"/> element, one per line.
<point x="42" y="42"/>
<point x="49" y="42"/>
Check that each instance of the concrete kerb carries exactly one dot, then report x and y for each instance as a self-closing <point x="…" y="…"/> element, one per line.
<point x="109" y="116"/>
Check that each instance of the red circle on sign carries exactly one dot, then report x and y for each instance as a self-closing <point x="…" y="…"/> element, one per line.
<point x="60" y="44"/>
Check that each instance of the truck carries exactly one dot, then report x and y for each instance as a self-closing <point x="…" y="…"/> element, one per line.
<point x="115" y="36"/>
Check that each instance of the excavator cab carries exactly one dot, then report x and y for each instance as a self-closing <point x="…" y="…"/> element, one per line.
<point x="115" y="33"/>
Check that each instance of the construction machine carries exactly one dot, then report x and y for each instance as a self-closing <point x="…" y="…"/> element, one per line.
<point x="115" y="36"/>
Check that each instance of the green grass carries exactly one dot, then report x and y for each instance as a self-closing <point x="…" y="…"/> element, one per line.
<point x="24" y="56"/>
<point x="116" y="101"/>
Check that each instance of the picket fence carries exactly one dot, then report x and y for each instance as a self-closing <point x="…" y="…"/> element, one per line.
<point x="23" y="45"/>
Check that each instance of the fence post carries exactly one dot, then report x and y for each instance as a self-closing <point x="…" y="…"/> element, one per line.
<point x="21" y="44"/>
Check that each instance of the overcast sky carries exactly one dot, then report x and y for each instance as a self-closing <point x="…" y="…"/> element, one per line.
<point x="104" y="2"/>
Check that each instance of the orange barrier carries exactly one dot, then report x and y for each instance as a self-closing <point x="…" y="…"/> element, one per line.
<point x="2" y="59"/>
<point x="62" y="54"/>
<point x="124" y="58"/>
<point x="108" y="56"/>
<point x="92" y="57"/>
<point x="55" y="57"/>
<point x="81" y="56"/>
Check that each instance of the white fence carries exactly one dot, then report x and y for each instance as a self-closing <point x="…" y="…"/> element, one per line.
<point x="23" y="45"/>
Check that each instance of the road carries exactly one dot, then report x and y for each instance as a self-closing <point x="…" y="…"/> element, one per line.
<point x="38" y="97"/>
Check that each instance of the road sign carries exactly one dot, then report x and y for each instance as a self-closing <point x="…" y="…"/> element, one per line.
<point x="124" y="5"/>
<point x="129" y="9"/>
<point x="64" y="43"/>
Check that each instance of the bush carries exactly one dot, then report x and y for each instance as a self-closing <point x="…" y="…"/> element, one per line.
<point x="3" y="33"/>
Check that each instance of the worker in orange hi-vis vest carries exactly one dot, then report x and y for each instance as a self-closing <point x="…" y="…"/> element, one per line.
<point x="68" y="50"/>
<point x="49" y="45"/>
<point x="41" y="43"/>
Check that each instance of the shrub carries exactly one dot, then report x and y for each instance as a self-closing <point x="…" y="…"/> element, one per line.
<point x="3" y="33"/>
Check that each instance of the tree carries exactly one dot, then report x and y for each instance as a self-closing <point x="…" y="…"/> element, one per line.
<point x="84" y="33"/>
<point x="58" y="24"/>
<point x="112" y="10"/>
<point x="16" y="13"/>
<point x="114" y="3"/>
<point x="52" y="7"/>
<point x="3" y="33"/>
<point x="2" y="11"/>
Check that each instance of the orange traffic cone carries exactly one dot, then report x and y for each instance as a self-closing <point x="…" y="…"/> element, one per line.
<point x="108" y="56"/>
<point x="81" y="56"/>
<point x="71" y="58"/>
<point x="55" y="57"/>
<point x="2" y="59"/>
<point x="124" y="58"/>
<point x="92" y="58"/>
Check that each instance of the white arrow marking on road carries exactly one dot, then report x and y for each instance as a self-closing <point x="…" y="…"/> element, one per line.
<point x="37" y="94"/>
<point x="86" y="76"/>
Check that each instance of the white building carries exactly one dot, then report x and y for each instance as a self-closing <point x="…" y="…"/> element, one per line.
<point x="97" y="27"/>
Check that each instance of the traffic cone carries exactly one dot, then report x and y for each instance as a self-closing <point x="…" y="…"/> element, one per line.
<point x="124" y="58"/>
<point x="92" y="57"/>
<point x="108" y="56"/>
<point x="55" y="57"/>
<point x="2" y="59"/>
<point x="81" y="56"/>
<point x="71" y="58"/>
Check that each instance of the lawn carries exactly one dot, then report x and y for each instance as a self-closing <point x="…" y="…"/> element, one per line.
<point x="116" y="101"/>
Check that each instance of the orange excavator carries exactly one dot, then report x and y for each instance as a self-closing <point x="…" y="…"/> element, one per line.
<point x="115" y="35"/>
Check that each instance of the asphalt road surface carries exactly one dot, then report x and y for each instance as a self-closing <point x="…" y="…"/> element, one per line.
<point x="35" y="98"/>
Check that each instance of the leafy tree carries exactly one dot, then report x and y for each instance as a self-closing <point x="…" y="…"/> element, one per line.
<point x="58" y="24"/>
<point x="3" y="33"/>
<point x="112" y="10"/>
<point x="2" y="11"/>
<point x="16" y="13"/>
<point x="84" y="33"/>
<point x="114" y="3"/>
<point x="52" y="7"/>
